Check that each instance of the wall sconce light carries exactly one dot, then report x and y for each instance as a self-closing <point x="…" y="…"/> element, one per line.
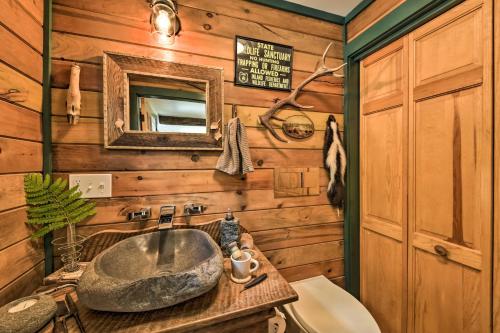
<point x="165" y="23"/>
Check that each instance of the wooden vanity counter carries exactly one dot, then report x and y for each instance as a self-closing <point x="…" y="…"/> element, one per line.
<point x="223" y="309"/>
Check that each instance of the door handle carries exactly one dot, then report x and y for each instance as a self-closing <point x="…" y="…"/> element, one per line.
<point x="441" y="251"/>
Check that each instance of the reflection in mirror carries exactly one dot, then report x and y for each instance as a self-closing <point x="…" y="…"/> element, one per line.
<point x="167" y="105"/>
<point x="161" y="105"/>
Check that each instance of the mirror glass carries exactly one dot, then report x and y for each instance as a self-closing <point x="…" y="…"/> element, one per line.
<point x="161" y="105"/>
<point x="167" y="105"/>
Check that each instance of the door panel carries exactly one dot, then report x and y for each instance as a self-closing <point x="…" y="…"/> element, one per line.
<point x="383" y="150"/>
<point x="464" y="32"/>
<point x="383" y="75"/>
<point x="382" y="283"/>
<point x="449" y="202"/>
<point x="455" y="288"/>
<point x="450" y="51"/>
<point x="383" y="161"/>
<point x="446" y="150"/>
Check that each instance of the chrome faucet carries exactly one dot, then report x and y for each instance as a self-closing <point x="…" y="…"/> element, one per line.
<point x="166" y="219"/>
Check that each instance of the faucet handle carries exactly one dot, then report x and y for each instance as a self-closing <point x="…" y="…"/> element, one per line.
<point x="193" y="208"/>
<point x="140" y="215"/>
<point x="166" y="219"/>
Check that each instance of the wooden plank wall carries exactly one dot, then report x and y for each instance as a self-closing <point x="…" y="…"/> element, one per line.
<point x="302" y="236"/>
<point x="369" y="16"/>
<point x="21" y="33"/>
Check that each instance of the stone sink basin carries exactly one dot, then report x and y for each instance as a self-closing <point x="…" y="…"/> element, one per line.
<point x="151" y="271"/>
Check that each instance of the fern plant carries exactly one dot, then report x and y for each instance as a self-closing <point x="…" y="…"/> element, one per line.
<point x="52" y="206"/>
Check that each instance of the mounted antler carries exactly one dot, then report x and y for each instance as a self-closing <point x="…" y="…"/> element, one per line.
<point x="321" y="70"/>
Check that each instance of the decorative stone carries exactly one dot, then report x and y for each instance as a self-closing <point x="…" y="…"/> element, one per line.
<point x="151" y="271"/>
<point x="24" y="316"/>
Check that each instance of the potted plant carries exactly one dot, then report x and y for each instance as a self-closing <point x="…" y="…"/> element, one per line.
<point x="52" y="206"/>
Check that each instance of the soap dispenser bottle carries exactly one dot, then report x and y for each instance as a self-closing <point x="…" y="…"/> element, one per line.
<point x="229" y="230"/>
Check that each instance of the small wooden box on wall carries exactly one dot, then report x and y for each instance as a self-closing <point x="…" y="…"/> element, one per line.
<point x="296" y="182"/>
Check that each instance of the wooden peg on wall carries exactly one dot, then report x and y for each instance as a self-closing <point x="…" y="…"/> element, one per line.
<point x="74" y="97"/>
<point x="119" y="125"/>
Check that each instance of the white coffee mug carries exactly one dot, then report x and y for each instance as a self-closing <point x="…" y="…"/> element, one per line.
<point x="241" y="267"/>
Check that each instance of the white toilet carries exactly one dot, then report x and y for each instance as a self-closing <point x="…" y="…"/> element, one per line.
<point x="324" y="307"/>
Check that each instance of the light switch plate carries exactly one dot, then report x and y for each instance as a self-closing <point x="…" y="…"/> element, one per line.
<point x="92" y="185"/>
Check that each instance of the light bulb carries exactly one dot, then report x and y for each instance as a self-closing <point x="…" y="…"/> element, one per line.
<point x="162" y="22"/>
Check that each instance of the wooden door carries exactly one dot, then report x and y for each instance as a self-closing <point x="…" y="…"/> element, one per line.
<point x="383" y="162"/>
<point x="496" y="177"/>
<point x="450" y="147"/>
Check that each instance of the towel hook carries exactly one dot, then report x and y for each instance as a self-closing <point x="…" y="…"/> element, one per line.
<point x="234" y="112"/>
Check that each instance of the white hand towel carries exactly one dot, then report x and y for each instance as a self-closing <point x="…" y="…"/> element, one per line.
<point x="235" y="159"/>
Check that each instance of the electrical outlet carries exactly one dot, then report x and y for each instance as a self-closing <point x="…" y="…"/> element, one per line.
<point x="92" y="185"/>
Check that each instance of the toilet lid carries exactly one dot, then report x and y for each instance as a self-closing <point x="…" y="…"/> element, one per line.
<point x="323" y="307"/>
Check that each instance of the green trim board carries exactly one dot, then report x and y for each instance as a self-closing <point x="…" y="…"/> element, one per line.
<point x="356" y="10"/>
<point x="301" y="10"/>
<point x="352" y="207"/>
<point x="46" y="117"/>
<point x="402" y="20"/>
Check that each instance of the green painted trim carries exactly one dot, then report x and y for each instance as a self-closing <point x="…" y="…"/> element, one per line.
<point x="351" y="211"/>
<point x="401" y="21"/>
<point x="302" y="10"/>
<point x="46" y="117"/>
<point x="356" y="10"/>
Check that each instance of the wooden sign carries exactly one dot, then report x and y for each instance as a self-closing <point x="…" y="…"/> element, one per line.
<point x="262" y="64"/>
<point x="298" y="127"/>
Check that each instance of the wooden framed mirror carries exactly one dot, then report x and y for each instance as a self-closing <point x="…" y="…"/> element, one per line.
<point x="161" y="105"/>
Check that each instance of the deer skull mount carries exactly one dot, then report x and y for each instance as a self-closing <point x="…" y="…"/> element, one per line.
<point x="321" y="70"/>
<point x="74" y="97"/>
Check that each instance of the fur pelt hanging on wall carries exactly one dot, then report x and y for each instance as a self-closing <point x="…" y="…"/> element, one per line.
<point x="335" y="161"/>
